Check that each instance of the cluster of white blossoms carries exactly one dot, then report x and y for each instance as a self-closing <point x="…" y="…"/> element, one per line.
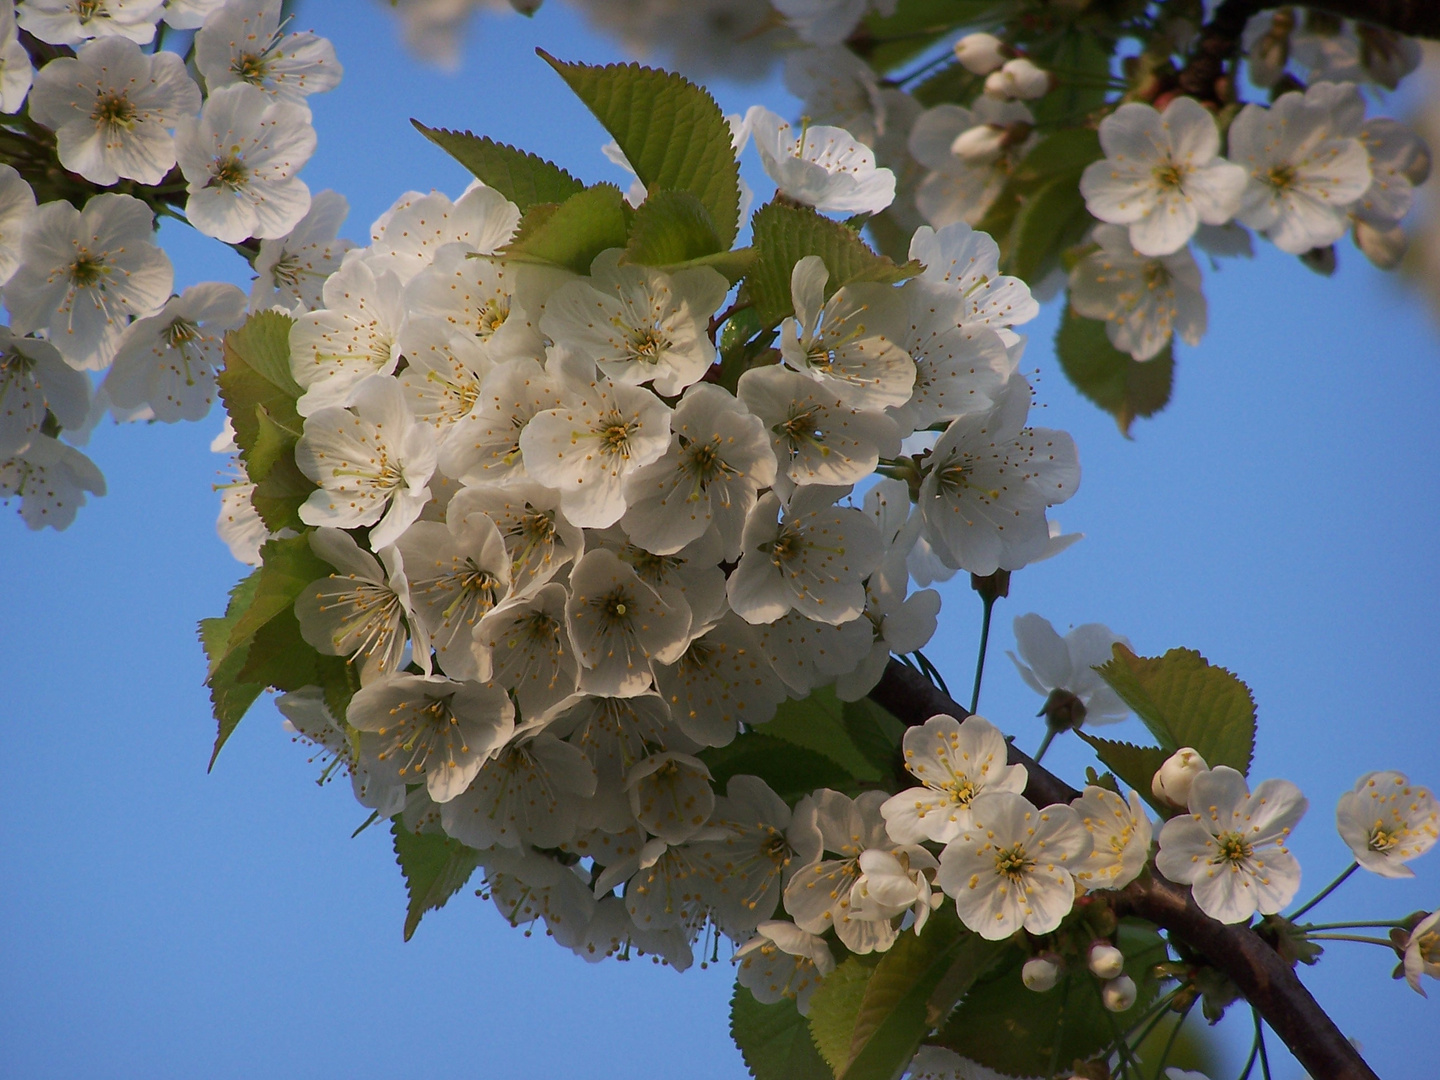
<point x="567" y="559"/>
<point x="221" y="130"/>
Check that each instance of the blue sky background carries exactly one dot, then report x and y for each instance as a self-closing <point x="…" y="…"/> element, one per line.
<point x="157" y="922"/>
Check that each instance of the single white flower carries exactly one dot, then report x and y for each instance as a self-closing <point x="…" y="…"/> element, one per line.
<point x="243" y="42"/>
<point x="291" y="270"/>
<point x="526" y="648"/>
<point x="110" y="107"/>
<point x="51" y="480"/>
<point x="783" y="961"/>
<point x="1231" y="849"/>
<point x="1399" y="160"/>
<point x="671" y="796"/>
<point x="966" y="263"/>
<point x="955" y="762"/>
<point x="1306" y="162"/>
<point x="813" y="559"/>
<point x="240" y="157"/>
<point x="824" y="167"/>
<point x="16" y="73"/>
<point x="443" y="372"/>
<point x="1121" y="832"/>
<point x="1050" y="664"/>
<point x="70" y="22"/>
<point x="484" y="447"/>
<point x="355" y="334"/>
<point x="637" y="323"/>
<point x="17" y="203"/>
<point x="371" y="461"/>
<point x="168" y="361"/>
<point x="429" y="729"/>
<point x="957" y="189"/>
<point x="189" y="14"/>
<point x="33" y="379"/>
<point x="1162" y="175"/>
<point x="982" y="502"/>
<point x="531" y="792"/>
<point x="1143" y="300"/>
<point x="475" y="298"/>
<point x="721" y="681"/>
<point x="586" y="448"/>
<point x="85" y="273"/>
<point x="408" y="236"/>
<point x="1422" y="952"/>
<point x="1387" y="821"/>
<point x="1171" y="782"/>
<point x="1012" y="867"/>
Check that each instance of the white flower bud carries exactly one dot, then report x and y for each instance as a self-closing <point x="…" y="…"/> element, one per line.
<point x="979" y="145"/>
<point x="1106" y="961"/>
<point x="1119" y="994"/>
<point x="1040" y="973"/>
<point x="1018" y="78"/>
<point x="980" y="54"/>
<point x="1383" y="247"/>
<point x="1173" y="779"/>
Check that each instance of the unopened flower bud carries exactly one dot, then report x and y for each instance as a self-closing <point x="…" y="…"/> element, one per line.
<point x="1105" y="960"/>
<point x="1018" y="78"/>
<point x="1383" y="247"/>
<point x="979" y="145"/>
<point x="1416" y="167"/>
<point x="1040" y="973"/>
<point x="980" y="54"/>
<point x="1173" y="779"/>
<point x="1119" y="994"/>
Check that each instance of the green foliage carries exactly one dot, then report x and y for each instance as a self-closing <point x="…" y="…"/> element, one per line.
<point x="1121" y="385"/>
<point x="435" y="868"/>
<point x="785" y="234"/>
<point x="1006" y="1026"/>
<point x="671" y="131"/>
<point x="871" y="1025"/>
<point x="1186" y="701"/>
<point x="571" y="234"/>
<point x="259" y="392"/>
<point x="524" y="178"/>
<point x="1136" y="765"/>
<point x="774" y="1040"/>
<point x="230" y="697"/>
<point x="1080" y="58"/>
<point x="790" y="770"/>
<point x="889" y="40"/>
<point x="671" y="227"/>
<point x="818" y="723"/>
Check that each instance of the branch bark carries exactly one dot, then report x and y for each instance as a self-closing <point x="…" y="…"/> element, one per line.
<point x="1267" y="981"/>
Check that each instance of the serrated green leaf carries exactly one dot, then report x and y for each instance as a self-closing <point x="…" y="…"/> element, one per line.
<point x="572" y="234"/>
<point x="1056" y="157"/>
<point x="230" y="697"/>
<point x="671" y="227"/>
<point x="1049" y="221"/>
<point x="670" y="130"/>
<point x="273" y="442"/>
<point x="791" y="771"/>
<point x="256" y="376"/>
<point x="1186" y="701"/>
<point x="774" y="1039"/>
<point x="817" y="722"/>
<point x="288" y="566"/>
<point x="278" y="497"/>
<point x="733" y="265"/>
<point x="783" y="235"/>
<point x="1124" y="387"/>
<point x="435" y="868"/>
<point x="523" y="178"/>
<point x="1007" y="1027"/>
<point x="834" y="1007"/>
<point x="1136" y="765"/>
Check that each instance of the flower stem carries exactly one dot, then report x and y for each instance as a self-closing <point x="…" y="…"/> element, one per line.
<point x="1326" y="891"/>
<point x="1250" y="1061"/>
<point x="1044" y="744"/>
<point x="1351" y="937"/>
<point x="1260" y="1042"/>
<point x="1349" y="925"/>
<point x="1128" y="1065"/>
<point x="980" y="660"/>
<point x="1170" y="1042"/>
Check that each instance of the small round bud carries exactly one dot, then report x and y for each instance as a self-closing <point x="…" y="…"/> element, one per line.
<point x="1383" y="247"/>
<point x="1173" y="779"/>
<point x="1105" y="960"/>
<point x="1040" y="973"/>
<point x="1018" y="78"/>
<point x="980" y="54"/>
<point x="1119" y="994"/>
<point x="979" y="145"/>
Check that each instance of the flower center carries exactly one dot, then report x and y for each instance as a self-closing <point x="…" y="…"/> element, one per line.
<point x="1012" y="863"/>
<point x="646" y="344"/>
<point x="114" y="110"/>
<point x="250" y="68"/>
<point x="961" y="791"/>
<point x="229" y="172"/>
<point x="1430" y="947"/>
<point x="1169" y="175"/>
<point x="179" y="333"/>
<point x="1280" y="176"/>
<point x="490" y="318"/>
<point x="419" y="733"/>
<point x="617" y="609"/>
<point x="1232" y="849"/>
<point x="1381" y="840"/>
<point x="86" y="270"/>
<point x="615" y="432"/>
<point x="85" y="10"/>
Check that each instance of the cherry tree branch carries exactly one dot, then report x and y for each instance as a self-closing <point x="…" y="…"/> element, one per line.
<point x="1268" y="982"/>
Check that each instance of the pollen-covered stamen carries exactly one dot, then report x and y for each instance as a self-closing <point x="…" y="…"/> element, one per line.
<point x="702" y="463"/>
<point x="229" y="172"/>
<point x="646" y="344"/>
<point x="491" y="317"/>
<point x="615" y="431"/>
<point x="1382" y="839"/>
<point x="1231" y="849"/>
<point x="532" y="534"/>
<point x="86" y="270"/>
<point x="1013" y="863"/>
<point x="961" y="790"/>
<point x="421" y="733"/>
<point x="250" y="67"/>
<point x="1170" y="175"/>
<point x="617" y="610"/>
<point x="115" y="111"/>
<point x="371" y="614"/>
<point x="1280" y="176"/>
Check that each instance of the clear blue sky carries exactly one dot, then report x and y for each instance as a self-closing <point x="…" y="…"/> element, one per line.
<point x="158" y="922"/>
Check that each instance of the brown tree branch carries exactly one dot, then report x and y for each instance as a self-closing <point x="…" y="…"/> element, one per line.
<point x="1268" y="982"/>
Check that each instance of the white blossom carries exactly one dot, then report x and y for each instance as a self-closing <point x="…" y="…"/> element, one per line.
<point x="838" y="88"/>
<point x="821" y="166"/>
<point x="84" y="274"/>
<point x="355" y="334"/>
<point x="240" y="157"/>
<point x="484" y="447"/>
<point x="309" y="719"/>
<point x="243" y="42"/>
<point x="17" y="203"/>
<point x="539" y="541"/>
<point x="828" y="22"/>
<point x="33" y="379"/>
<point x="1049" y="663"/>
<point x="291" y="270"/>
<point x="670" y="795"/>
<point x="958" y="189"/>
<point x="475" y="298"/>
<point x="620" y="625"/>
<point x="70" y="22"/>
<point x="189" y="14"/>
<point x="1104" y="960"/>
<point x="110" y="107"/>
<point x="408" y="236"/>
<point x="527" y="648"/>
<point x="966" y="263"/>
<point x="1422" y="952"/>
<point x="783" y="961"/>
<point x="531" y="792"/>
<point x="807" y="654"/>
<point x="1231" y="849"/>
<point x="1011" y="867"/>
<point x="51" y="480"/>
<point x="1162" y="175"/>
<point x="16" y="74"/>
<point x="1121" y="832"/>
<point x="721" y="681"/>
<point x="1387" y="821"/>
<point x="1144" y="301"/>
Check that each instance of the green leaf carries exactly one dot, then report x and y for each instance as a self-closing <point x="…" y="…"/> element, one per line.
<point x="1083" y="59"/>
<point x="874" y="732"/>
<point x="817" y="722"/>
<point x="783" y="235"/>
<point x="1058" y="157"/>
<point x="1136" y="765"/>
<point x="278" y="497"/>
<point x="1186" y="701"/>
<point x="671" y="227"/>
<point x="671" y="131"/>
<point x="523" y="178"/>
<point x="734" y="265"/>
<point x="1006" y="1026"/>
<point x="435" y="868"/>
<point x="834" y="1007"/>
<point x="1049" y="221"/>
<point x="1121" y="385"/>
<point x="273" y="442"/>
<point x="791" y="771"/>
<point x="774" y="1039"/>
<point x="573" y="233"/>
<point x="257" y="377"/>
<point x="229" y="696"/>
